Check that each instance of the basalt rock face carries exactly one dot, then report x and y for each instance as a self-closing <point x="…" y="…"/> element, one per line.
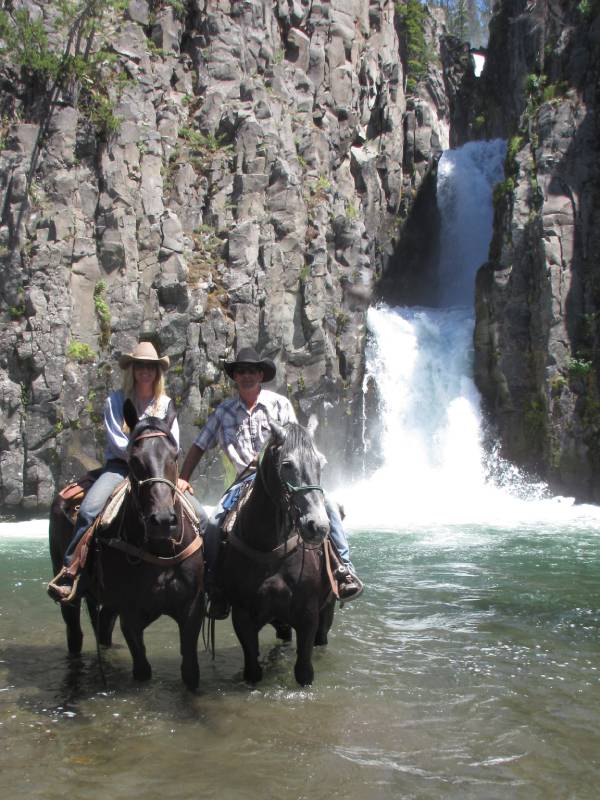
<point x="232" y="175"/>
<point x="538" y="298"/>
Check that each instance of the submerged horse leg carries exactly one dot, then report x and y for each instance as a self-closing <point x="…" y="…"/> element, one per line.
<point x="132" y="627"/>
<point x="305" y="637"/>
<point x="247" y="634"/>
<point x="189" y="630"/>
<point x="72" y="619"/>
<point x="103" y="621"/>
<point x="325" y="623"/>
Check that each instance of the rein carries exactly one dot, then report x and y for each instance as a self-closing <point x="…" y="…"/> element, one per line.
<point x="138" y="552"/>
<point x="160" y="561"/>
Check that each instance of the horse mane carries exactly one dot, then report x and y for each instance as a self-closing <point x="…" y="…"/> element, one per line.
<point x="298" y="440"/>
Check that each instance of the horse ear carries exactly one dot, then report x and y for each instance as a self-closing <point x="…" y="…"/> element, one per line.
<point x="278" y="433"/>
<point x="130" y="414"/>
<point x="170" y="415"/>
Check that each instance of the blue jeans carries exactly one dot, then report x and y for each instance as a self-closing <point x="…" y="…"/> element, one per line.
<point x="93" y="503"/>
<point x="212" y="538"/>
<point x="337" y="532"/>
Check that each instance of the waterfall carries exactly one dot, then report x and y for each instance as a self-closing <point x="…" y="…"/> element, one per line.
<point x="466" y="178"/>
<point x="435" y="468"/>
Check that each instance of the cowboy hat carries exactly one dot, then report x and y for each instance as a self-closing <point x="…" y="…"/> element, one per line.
<point x="248" y="357"/>
<point x="144" y="353"/>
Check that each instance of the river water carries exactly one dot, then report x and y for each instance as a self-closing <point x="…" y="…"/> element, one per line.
<point x="468" y="669"/>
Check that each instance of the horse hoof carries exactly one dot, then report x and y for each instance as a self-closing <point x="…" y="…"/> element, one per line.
<point x="191" y="679"/>
<point x="74" y="644"/>
<point x="320" y="641"/>
<point x="253" y="675"/>
<point x="304" y="675"/>
<point x="142" y="673"/>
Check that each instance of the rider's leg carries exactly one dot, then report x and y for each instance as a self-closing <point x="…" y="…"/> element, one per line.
<point x="349" y="584"/>
<point x="214" y="554"/>
<point x="94" y="502"/>
<point x="215" y="548"/>
<point x="337" y="532"/>
<point x="199" y="509"/>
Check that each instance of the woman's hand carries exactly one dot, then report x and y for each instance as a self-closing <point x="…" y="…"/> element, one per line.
<point x="184" y="486"/>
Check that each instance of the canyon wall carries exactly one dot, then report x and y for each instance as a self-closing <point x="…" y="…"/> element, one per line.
<point x="538" y="298"/>
<point x="206" y="175"/>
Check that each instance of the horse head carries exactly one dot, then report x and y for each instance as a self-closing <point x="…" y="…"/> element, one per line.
<point x="293" y="474"/>
<point x="153" y="473"/>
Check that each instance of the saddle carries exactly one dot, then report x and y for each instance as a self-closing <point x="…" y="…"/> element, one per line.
<point x="332" y="560"/>
<point x="231" y="513"/>
<point x="73" y="493"/>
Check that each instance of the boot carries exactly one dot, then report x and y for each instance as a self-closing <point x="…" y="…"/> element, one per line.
<point x="64" y="587"/>
<point x="349" y="584"/>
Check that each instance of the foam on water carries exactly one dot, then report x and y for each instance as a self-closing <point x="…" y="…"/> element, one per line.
<point x="25" y="529"/>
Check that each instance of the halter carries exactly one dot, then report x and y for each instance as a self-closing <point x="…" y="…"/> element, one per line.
<point x="289" y="491"/>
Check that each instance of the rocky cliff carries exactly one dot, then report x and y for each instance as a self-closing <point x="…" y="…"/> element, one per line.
<point x="207" y="175"/>
<point x="538" y="298"/>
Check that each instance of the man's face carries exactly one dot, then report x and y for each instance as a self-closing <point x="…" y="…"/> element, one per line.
<point x="247" y="377"/>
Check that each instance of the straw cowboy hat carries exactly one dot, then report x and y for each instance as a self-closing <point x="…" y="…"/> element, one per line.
<point x="144" y="353"/>
<point x="248" y="357"/>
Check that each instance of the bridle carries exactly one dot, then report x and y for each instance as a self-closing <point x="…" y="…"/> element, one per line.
<point x="146" y="481"/>
<point x="288" y="493"/>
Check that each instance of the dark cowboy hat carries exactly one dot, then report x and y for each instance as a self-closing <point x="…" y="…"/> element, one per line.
<point x="248" y="357"/>
<point x="144" y="353"/>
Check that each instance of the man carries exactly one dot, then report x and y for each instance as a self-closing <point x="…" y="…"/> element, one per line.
<point x="240" y="426"/>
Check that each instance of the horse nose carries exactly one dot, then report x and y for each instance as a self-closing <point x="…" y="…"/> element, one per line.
<point x="316" y="530"/>
<point x="163" y="519"/>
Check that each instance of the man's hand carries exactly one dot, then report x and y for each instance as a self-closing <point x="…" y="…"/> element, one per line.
<point x="184" y="486"/>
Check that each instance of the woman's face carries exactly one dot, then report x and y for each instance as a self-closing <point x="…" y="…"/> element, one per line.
<point x="144" y="376"/>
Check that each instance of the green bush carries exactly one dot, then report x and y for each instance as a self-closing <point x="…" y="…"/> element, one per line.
<point x="80" y="352"/>
<point x="503" y="189"/>
<point x="579" y="367"/>
<point x="25" y="43"/>
<point x="102" y="312"/>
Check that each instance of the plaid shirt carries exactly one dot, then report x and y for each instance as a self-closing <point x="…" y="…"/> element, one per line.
<point x="242" y="433"/>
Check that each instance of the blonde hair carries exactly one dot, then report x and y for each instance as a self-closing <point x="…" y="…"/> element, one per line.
<point x="128" y="388"/>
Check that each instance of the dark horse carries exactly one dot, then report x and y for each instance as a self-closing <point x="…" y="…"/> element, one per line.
<point x="275" y="566"/>
<point x="148" y="561"/>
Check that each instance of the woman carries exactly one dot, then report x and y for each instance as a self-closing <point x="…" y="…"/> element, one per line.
<point x="144" y="384"/>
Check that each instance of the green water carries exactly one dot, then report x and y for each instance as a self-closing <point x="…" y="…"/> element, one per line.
<point x="468" y="669"/>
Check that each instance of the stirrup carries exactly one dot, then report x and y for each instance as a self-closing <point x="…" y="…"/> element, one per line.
<point x="218" y="606"/>
<point x="56" y="588"/>
<point x="350" y="585"/>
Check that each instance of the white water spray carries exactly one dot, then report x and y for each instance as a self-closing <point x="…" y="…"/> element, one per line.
<point x="435" y="469"/>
